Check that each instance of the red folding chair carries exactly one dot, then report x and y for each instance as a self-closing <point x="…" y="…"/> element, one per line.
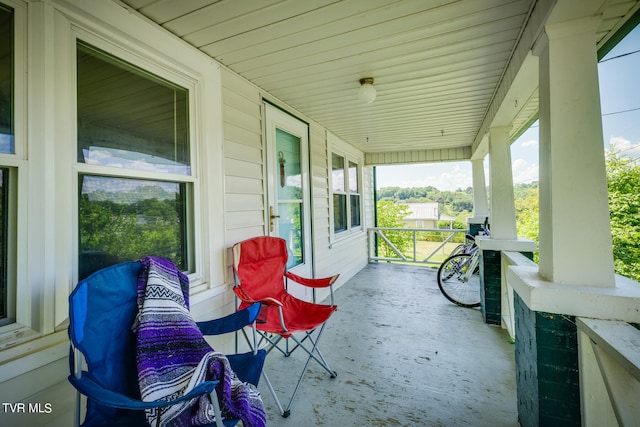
<point x="260" y="276"/>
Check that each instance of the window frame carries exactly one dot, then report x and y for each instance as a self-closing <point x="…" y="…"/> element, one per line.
<point x="155" y="63"/>
<point x="357" y="192"/>
<point x="147" y="64"/>
<point x="44" y="162"/>
<point x="344" y="193"/>
<point x="16" y="165"/>
<point x="337" y="147"/>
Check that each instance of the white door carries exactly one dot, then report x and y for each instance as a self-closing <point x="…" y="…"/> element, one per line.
<point x="288" y="193"/>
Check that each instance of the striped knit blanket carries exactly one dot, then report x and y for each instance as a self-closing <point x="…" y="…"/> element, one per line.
<point x="173" y="357"/>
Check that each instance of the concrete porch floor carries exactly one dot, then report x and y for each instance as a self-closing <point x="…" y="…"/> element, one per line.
<point x="405" y="356"/>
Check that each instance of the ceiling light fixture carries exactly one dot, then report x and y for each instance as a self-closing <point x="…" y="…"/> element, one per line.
<point x="367" y="92"/>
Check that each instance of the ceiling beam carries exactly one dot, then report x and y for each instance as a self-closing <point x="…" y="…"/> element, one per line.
<point x="520" y="62"/>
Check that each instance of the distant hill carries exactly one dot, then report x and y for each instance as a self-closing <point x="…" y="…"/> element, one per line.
<point x="452" y="203"/>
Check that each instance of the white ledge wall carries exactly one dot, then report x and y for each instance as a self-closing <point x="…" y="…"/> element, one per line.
<point x="621" y="302"/>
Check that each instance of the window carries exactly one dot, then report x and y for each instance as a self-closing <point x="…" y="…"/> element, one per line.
<point x="339" y="193"/>
<point x="7" y="146"/>
<point x="134" y="151"/>
<point x="354" y="194"/>
<point x="6" y="81"/>
<point x="345" y="184"/>
<point x="4" y="205"/>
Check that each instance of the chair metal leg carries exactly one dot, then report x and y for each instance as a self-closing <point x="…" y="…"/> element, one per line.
<point x="78" y="409"/>
<point x="284" y="413"/>
<point x="314" y="354"/>
<point x="295" y="391"/>
<point x="77" y="372"/>
<point x="325" y="364"/>
<point x="216" y="408"/>
<point x="311" y="354"/>
<point x="273" y="343"/>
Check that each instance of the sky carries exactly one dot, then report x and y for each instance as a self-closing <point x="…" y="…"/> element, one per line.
<point x="620" y="104"/>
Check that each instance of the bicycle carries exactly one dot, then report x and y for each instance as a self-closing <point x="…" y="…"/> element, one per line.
<point x="465" y="247"/>
<point x="459" y="275"/>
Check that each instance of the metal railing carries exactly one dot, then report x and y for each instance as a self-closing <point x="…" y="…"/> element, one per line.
<point x="426" y="246"/>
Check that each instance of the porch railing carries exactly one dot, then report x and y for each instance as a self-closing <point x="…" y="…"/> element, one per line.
<point x="609" y="372"/>
<point x="425" y="246"/>
<point x="608" y="355"/>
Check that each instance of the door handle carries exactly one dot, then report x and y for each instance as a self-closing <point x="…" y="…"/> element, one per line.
<point x="271" y="217"/>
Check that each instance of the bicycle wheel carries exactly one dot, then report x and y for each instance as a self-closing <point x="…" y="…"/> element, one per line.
<point x="454" y="282"/>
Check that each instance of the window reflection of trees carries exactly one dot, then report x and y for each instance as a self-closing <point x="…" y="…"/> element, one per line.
<point x="290" y="228"/>
<point x="6" y="80"/>
<point x="141" y="218"/>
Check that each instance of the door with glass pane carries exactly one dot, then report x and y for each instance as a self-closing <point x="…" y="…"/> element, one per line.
<point x="288" y="196"/>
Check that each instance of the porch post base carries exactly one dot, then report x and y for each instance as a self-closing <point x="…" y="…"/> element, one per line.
<point x="491" y="273"/>
<point x="547" y="376"/>
<point x="475" y="224"/>
<point x="547" y="352"/>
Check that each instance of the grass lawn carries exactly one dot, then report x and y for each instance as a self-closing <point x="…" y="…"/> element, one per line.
<point x="424" y="248"/>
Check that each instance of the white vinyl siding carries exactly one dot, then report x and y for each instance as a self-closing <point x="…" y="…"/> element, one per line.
<point x="243" y="160"/>
<point x="319" y="186"/>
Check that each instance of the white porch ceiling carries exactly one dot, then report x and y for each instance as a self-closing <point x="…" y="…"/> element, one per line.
<point x="437" y="64"/>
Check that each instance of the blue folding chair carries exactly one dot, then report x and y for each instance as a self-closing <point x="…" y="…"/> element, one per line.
<point x="102" y="309"/>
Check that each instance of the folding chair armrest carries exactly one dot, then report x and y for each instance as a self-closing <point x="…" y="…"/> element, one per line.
<point x="312" y="283"/>
<point x="231" y="323"/>
<point x="240" y="293"/>
<point x="90" y="388"/>
<point x="325" y="282"/>
<point x="271" y="301"/>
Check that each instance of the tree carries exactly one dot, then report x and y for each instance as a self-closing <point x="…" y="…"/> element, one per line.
<point x="623" y="178"/>
<point x="451" y="202"/>
<point x="527" y="214"/>
<point x="390" y="215"/>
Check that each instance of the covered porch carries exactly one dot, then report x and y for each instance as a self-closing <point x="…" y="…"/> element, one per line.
<point x="407" y="356"/>
<point x="404" y="356"/>
<point x="456" y="81"/>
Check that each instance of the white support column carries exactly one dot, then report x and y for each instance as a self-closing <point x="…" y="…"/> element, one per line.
<point x="575" y="232"/>
<point x="503" y="211"/>
<point x="480" y="205"/>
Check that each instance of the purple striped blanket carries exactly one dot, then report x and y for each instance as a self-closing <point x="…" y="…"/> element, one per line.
<point x="173" y="357"/>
